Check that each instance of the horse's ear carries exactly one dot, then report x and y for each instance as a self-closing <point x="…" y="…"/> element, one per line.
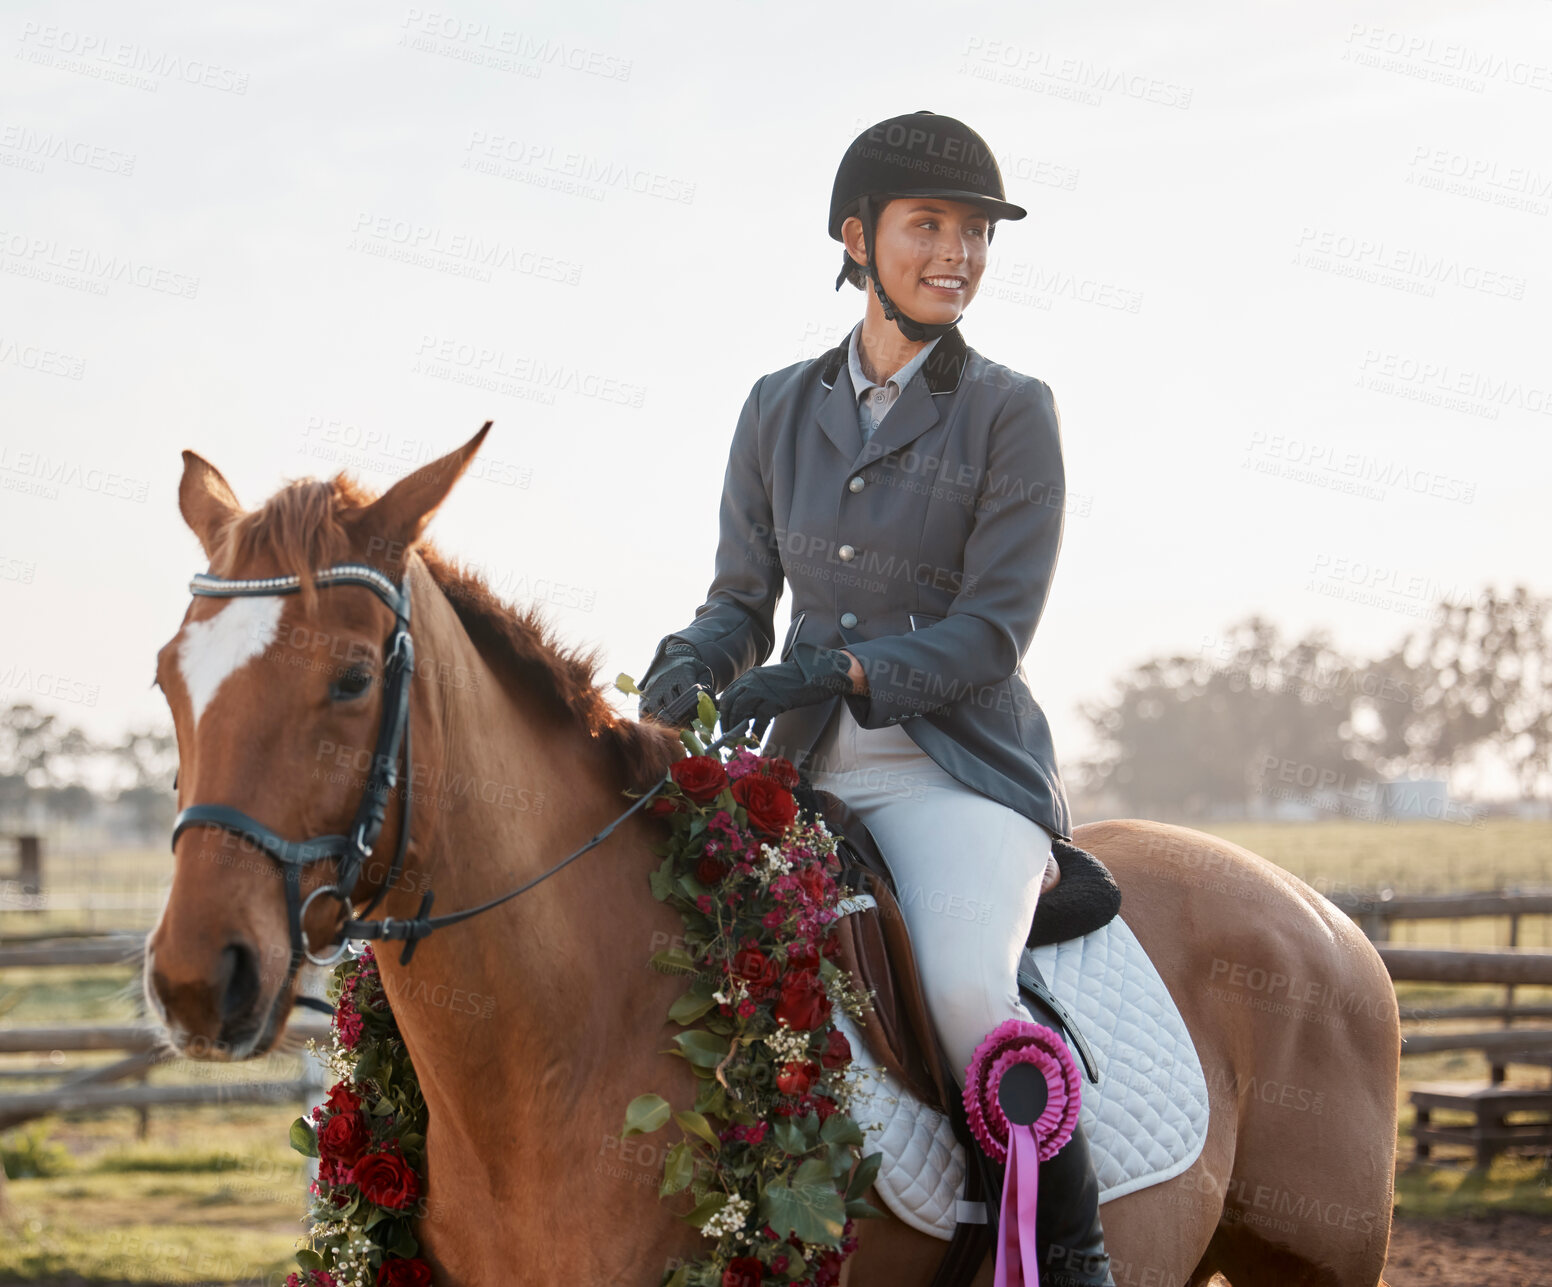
<point x="206" y="500"/>
<point x="396" y="520"/>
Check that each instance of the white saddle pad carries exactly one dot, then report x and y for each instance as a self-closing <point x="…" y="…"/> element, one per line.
<point x="1146" y="1120"/>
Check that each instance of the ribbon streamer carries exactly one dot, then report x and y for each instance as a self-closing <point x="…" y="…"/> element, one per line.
<point x="1022" y="1147"/>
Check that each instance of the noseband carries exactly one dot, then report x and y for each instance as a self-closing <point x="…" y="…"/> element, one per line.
<point x="354" y="848"/>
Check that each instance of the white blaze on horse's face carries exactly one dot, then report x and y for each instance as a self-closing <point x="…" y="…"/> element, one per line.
<point x="216" y="648"/>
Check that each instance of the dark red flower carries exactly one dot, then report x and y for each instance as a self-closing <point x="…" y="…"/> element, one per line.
<point x="803" y="1004"/>
<point x="710" y="870"/>
<point x="824" y="1107"/>
<point x="700" y="777"/>
<point x="387" y="1180"/>
<point x="756" y="969"/>
<point x="399" y="1272"/>
<point x="342" y="1099"/>
<point x="661" y="806"/>
<point x="815" y="883"/>
<point x="745" y="1271"/>
<point x="832" y="945"/>
<point x="801" y="955"/>
<point x="797" y="1078"/>
<point x="344" y="1138"/>
<point x="770" y="805"/>
<point x="780" y="769"/>
<point x="837" y="1049"/>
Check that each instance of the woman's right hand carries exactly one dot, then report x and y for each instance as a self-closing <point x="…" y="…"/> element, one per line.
<point x="680" y="670"/>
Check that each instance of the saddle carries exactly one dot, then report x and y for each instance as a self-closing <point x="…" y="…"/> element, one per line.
<point x="875" y="945"/>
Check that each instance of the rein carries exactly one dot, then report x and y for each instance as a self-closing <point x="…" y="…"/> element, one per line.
<point x="354" y="848"/>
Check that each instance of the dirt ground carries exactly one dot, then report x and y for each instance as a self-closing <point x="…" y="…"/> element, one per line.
<point x="1501" y="1251"/>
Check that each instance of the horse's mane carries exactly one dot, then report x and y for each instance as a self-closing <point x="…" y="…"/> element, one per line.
<point x="307" y="525"/>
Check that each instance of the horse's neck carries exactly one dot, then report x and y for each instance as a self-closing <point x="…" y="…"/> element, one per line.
<point x="516" y="1014"/>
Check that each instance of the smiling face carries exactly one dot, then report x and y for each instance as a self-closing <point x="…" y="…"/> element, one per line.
<point x="930" y="252"/>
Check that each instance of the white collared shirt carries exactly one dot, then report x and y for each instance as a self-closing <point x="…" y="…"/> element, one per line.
<point x="873" y="401"/>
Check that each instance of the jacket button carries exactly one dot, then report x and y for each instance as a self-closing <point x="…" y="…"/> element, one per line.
<point x="847" y="553"/>
<point x="848" y="619"/>
<point x="857" y="483"/>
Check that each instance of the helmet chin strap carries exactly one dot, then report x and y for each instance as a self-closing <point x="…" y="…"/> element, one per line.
<point x="909" y="326"/>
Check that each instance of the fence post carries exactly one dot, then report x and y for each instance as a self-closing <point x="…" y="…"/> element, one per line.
<point x="29" y="852"/>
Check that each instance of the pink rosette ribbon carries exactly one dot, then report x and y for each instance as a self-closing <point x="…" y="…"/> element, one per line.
<point x="1022" y="1146"/>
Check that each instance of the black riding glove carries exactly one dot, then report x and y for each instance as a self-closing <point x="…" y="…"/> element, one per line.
<point x="811" y="675"/>
<point x="680" y="670"/>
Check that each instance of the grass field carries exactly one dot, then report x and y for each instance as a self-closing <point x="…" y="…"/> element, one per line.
<point x="215" y="1195"/>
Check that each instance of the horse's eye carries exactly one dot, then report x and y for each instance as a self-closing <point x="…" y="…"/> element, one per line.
<point x="353" y="681"/>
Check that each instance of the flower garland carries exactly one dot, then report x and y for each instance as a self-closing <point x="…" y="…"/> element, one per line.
<point x="777" y="1181"/>
<point x="369" y="1139"/>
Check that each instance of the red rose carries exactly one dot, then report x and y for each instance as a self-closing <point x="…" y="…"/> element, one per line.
<point x="770" y="805"/>
<point x="797" y="1079"/>
<point x="837" y="1050"/>
<point x="803" y="1004"/>
<point x="832" y="945"/>
<point x="662" y="805"/>
<point x="755" y="968"/>
<point x="399" y="1272"/>
<point x="780" y="769"/>
<point x="814" y="883"/>
<point x="700" y="777"/>
<point x="824" y="1108"/>
<point x="710" y="871"/>
<point x="342" y="1099"/>
<point x="386" y="1180"/>
<point x="344" y="1138"/>
<point x="745" y="1271"/>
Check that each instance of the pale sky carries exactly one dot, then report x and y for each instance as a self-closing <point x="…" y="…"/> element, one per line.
<point x="1287" y="268"/>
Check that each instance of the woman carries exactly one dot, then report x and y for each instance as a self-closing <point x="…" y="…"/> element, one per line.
<point x="911" y="491"/>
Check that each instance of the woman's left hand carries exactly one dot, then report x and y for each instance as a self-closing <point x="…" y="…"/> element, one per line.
<point x="811" y="675"/>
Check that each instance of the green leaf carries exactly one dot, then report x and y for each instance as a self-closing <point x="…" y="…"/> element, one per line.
<point x="695" y="1124"/>
<point x="404" y="1241"/>
<point x="814" y="1212"/>
<point x="626" y="684"/>
<point x="862" y="1178"/>
<point x="673" y="961"/>
<point x="681" y="1277"/>
<point x="840" y="1129"/>
<point x="706" y="1208"/>
<point x="688" y="1008"/>
<point x="645" y="1114"/>
<point x="307" y="1258"/>
<point x="303" y="1138"/>
<point x="706" y="710"/>
<point x="789" y="1138"/>
<point x="815" y="1171"/>
<point x="702" y="1049"/>
<point x="692" y="742"/>
<point x="861" y="1209"/>
<point x="678" y="1169"/>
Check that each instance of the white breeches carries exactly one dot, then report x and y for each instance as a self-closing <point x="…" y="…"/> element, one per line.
<point x="967" y="869"/>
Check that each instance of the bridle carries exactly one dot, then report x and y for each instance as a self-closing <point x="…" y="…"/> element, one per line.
<point x="355" y="847"/>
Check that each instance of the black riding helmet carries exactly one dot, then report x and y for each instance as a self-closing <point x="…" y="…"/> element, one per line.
<point x="920" y="154"/>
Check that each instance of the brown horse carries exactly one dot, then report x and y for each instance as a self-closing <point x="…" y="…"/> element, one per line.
<point x="533" y="1025"/>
